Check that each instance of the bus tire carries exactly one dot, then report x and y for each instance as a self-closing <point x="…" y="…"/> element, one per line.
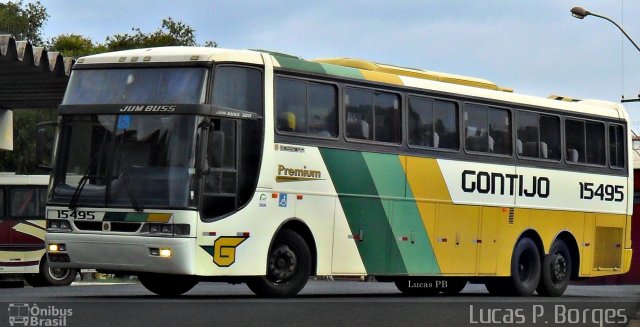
<point x="167" y="285"/>
<point x="556" y="270"/>
<point x="288" y="267"/>
<point x="49" y="276"/>
<point x="525" y="268"/>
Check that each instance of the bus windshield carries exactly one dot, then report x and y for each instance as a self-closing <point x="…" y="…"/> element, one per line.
<point x="184" y="85"/>
<point x="126" y="161"/>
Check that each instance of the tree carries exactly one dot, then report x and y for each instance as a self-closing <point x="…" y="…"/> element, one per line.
<point x="172" y="33"/>
<point x="22" y="159"/>
<point x="24" y="22"/>
<point x="73" y="45"/>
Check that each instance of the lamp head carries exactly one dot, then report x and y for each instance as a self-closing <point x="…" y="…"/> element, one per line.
<point x="579" y="12"/>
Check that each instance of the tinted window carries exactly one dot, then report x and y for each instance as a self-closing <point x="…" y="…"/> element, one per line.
<point x="433" y="123"/>
<point x="616" y="146"/>
<point x="595" y="143"/>
<point x="238" y="88"/>
<point x="25" y="202"/>
<point x="136" y="86"/>
<point x="487" y="129"/>
<point x="372" y="115"/>
<point x="538" y="136"/>
<point x="306" y="107"/>
<point x="585" y="142"/>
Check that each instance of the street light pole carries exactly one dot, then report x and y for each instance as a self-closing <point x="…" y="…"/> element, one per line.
<point x="581" y="13"/>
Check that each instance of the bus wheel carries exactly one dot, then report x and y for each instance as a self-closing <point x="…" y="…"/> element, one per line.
<point x="167" y="285"/>
<point x="556" y="270"/>
<point x="49" y="276"/>
<point x="288" y="267"/>
<point x="525" y="272"/>
<point x="525" y="269"/>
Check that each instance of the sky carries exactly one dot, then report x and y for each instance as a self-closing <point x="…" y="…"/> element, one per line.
<point x="534" y="47"/>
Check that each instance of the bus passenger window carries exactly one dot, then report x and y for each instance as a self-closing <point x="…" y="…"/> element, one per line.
<point x="595" y="143"/>
<point x="373" y="115"/>
<point x="432" y="123"/>
<point x="585" y="142"/>
<point x="322" y="110"/>
<point x="238" y="88"/>
<point x="538" y="136"/>
<point x="359" y="109"/>
<point x="421" y="122"/>
<point x="487" y="129"/>
<point x="306" y="107"/>
<point x="574" y="136"/>
<point x="24" y="202"/>
<point x="387" y="118"/>
<point x="616" y="146"/>
<point x="550" y="137"/>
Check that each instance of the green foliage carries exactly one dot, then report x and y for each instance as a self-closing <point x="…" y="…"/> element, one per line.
<point x="22" y="21"/>
<point x="171" y="33"/>
<point x="72" y="45"/>
<point x="22" y="159"/>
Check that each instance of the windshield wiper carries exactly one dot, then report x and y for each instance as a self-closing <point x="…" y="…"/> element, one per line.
<point x="73" y="204"/>
<point x="132" y="197"/>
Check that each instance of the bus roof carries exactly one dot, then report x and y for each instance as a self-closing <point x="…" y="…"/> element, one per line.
<point x="14" y="179"/>
<point x="362" y="70"/>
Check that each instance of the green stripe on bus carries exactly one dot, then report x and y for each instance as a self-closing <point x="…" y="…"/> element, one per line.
<point x="347" y="72"/>
<point x="409" y="233"/>
<point x="301" y="65"/>
<point x="364" y="210"/>
<point x="317" y="68"/>
<point x="126" y="216"/>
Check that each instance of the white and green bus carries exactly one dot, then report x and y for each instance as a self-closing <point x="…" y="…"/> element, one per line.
<point x="182" y="165"/>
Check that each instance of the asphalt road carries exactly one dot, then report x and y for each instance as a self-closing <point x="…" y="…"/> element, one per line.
<point x="321" y="303"/>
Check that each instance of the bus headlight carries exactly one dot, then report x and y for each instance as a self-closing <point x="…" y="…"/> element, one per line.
<point x="166" y="229"/>
<point x="58" y="225"/>
<point x="54" y="248"/>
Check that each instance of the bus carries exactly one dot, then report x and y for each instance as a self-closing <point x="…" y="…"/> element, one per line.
<point x="22" y="232"/>
<point x="186" y="164"/>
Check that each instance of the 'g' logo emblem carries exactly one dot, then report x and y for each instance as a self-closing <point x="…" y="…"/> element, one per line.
<point x="224" y="250"/>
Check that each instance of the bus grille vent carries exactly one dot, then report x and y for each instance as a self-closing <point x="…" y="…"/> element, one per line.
<point x="511" y="214"/>
<point x="608" y="251"/>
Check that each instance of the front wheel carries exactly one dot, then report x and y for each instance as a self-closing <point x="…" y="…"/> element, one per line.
<point x="288" y="267"/>
<point x="556" y="270"/>
<point x="167" y="285"/>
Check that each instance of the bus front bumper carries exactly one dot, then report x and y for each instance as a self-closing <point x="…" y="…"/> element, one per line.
<point x="122" y="253"/>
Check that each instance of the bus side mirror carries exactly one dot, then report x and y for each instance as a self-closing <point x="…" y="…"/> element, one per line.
<point x="45" y="144"/>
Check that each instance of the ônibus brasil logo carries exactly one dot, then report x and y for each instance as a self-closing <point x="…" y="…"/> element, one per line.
<point x="24" y="314"/>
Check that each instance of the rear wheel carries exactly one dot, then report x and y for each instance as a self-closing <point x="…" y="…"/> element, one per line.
<point x="525" y="272"/>
<point x="288" y="267"/>
<point x="167" y="285"/>
<point x="556" y="270"/>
